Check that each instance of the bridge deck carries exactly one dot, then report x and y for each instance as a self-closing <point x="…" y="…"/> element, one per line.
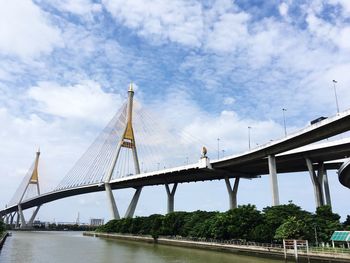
<point x="291" y="161"/>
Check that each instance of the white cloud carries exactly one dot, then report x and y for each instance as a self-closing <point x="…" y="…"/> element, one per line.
<point x="178" y="110"/>
<point x="85" y="100"/>
<point x="229" y="32"/>
<point x="177" y="21"/>
<point x="345" y="4"/>
<point x="337" y="33"/>
<point x="229" y="101"/>
<point x="283" y="9"/>
<point x="79" y="7"/>
<point x="25" y="30"/>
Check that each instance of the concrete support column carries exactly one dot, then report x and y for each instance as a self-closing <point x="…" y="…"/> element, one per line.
<point x="171" y="195"/>
<point x="232" y="192"/>
<point x="320" y="178"/>
<point x="7" y="219"/>
<point x="31" y="220"/>
<point x="131" y="209"/>
<point x="112" y="205"/>
<point x="273" y="180"/>
<point x="326" y="189"/>
<point x="23" y="221"/>
<point x="17" y="220"/>
<point x="316" y="182"/>
<point x="12" y="217"/>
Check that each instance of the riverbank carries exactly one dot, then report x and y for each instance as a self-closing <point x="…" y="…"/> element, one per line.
<point x="270" y="252"/>
<point x="3" y="239"/>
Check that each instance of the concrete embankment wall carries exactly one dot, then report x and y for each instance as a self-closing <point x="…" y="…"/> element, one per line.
<point x="239" y="249"/>
<point x="3" y="239"/>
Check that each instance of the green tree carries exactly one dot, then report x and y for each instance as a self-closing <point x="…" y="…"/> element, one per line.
<point x="199" y="224"/>
<point x="346" y="223"/>
<point x="156" y="224"/>
<point x="2" y="227"/>
<point x="173" y="223"/>
<point x="136" y="225"/>
<point x="326" y="222"/>
<point x="242" y="222"/>
<point x="293" y="228"/>
<point x="192" y="222"/>
<point x="275" y="216"/>
<point x="218" y="226"/>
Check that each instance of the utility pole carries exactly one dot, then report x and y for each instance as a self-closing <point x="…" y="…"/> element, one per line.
<point x="284" y="122"/>
<point x="218" y="148"/>
<point x="335" y="94"/>
<point x="249" y="128"/>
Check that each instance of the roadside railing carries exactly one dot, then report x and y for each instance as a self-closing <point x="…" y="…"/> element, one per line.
<point x="343" y="252"/>
<point x="237" y="242"/>
<point x="336" y="252"/>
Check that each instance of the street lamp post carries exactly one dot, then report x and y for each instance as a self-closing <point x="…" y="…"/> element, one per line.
<point x="335" y="94"/>
<point x="218" y="148"/>
<point x="284" y="121"/>
<point x="249" y="128"/>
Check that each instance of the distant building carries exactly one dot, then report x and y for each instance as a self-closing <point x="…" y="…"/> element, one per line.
<point x="96" y="221"/>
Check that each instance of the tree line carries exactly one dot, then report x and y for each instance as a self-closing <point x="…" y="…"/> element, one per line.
<point x="2" y="228"/>
<point x="247" y="223"/>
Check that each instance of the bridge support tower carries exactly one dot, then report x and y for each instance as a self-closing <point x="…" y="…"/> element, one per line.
<point x="232" y="192"/>
<point x="273" y="179"/>
<point x="127" y="141"/>
<point x="33" y="180"/>
<point x="320" y="184"/>
<point x="171" y="197"/>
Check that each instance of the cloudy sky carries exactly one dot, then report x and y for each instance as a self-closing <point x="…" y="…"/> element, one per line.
<point x="210" y="68"/>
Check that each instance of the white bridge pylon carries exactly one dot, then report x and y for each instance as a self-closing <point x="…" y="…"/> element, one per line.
<point x="127" y="141"/>
<point x="26" y="188"/>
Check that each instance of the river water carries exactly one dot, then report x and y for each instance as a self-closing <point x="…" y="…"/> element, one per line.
<point x="64" y="247"/>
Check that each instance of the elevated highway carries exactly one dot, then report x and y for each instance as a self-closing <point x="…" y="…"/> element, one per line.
<point x="283" y="156"/>
<point x="332" y="154"/>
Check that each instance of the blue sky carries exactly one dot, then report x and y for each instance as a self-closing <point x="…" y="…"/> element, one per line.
<point x="212" y="68"/>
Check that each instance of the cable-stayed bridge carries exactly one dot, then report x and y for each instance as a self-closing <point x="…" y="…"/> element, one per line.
<point x="113" y="162"/>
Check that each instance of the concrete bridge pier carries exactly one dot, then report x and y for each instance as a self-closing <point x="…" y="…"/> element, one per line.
<point x="32" y="218"/>
<point x="320" y="183"/>
<point x="12" y="216"/>
<point x="316" y="180"/>
<point x="112" y="205"/>
<point x="132" y="206"/>
<point x="17" y="221"/>
<point x="7" y="219"/>
<point x="273" y="179"/>
<point x="23" y="220"/>
<point x="171" y="195"/>
<point x="232" y="192"/>
<point x="326" y="189"/>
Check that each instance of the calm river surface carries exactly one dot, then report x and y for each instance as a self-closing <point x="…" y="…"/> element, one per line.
<point x="63" y="247"/>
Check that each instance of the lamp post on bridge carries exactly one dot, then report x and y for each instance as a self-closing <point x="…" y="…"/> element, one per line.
<point x="335" y="94"/>
<point x="284" y="122"/>
<point x="218" y="139"/>
<point x="249" y="128"/>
